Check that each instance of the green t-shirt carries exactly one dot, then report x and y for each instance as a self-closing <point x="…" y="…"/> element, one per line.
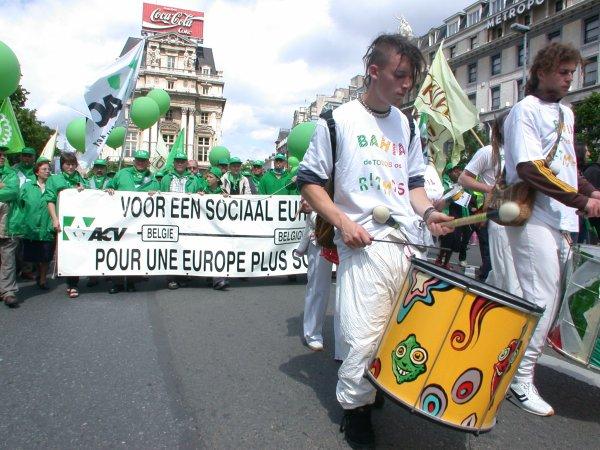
<point x="130" y="179"/>
<point x="270" y="184"/>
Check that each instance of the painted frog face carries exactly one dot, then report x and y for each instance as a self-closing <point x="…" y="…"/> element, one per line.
<point x="408" y="360"/>
<point x="505" y="359"/>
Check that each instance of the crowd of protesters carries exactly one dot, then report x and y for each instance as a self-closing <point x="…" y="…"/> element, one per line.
<point x="29" y="218"/>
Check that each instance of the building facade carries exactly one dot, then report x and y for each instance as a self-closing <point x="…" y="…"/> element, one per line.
<point x="183" y="67"/>
<point x="486" y="51"/>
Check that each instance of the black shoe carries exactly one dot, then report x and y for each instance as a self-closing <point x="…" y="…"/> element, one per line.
<point x="131" y="287"/>
<point x="116" y="289"/>
<point x="11" y="301"/>
<point x="379" y="400"/>
<point x="173" y="285"/>
<point x="92" y="281"/>
<point x="357" y="427"/>
<point x="220" y="285"/>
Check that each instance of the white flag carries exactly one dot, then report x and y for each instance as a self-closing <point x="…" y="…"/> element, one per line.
<point x="159" y="159"/>
<point x="50" y="146"/>
<point x="106" y="99"/>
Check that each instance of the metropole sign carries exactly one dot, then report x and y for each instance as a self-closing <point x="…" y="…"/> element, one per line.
<point x="510" y="13"/>
<point x="164" y="19"/>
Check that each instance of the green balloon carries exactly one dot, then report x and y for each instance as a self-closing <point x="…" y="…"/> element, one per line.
<point x="293" y="161"/>
<point x="299" y="139"/>
<point x="294" y="170"/>
<point x="76" y="133"/>
<point x="217" y="153"/>
<point x="10" y="71"/>
<point x="116" y="138"/>
<point x="144" y="112"/>
<point x="162" y="99"/>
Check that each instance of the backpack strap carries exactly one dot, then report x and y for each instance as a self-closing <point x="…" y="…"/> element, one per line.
<point x="328" y="117"/>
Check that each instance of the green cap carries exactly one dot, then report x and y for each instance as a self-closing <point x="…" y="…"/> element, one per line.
<point x="28" y="151"/>
<point x="141" y="154"/>
<point x="258" y="163"/>
<point x="246" y="173"/>
<point x="280" y="156"/>
<point x="100" y="162"/>
<point x="215" y="171"/>
<point x="4" y="148"/>
<point x="159" y="174"/>
<point x="235" y="160"/>
<point x="223" y="161"/>
<point x="42" y="159"/>
<point x="180" y="155"/>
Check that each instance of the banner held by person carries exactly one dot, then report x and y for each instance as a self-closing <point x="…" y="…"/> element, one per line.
<point x="106" y="99"/>
<point x="179" y="234"/>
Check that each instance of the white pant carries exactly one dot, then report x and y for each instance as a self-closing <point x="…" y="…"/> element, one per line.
<point x="316" y="299"/>
<point x="368" y="284"/>
<point x="540" y="253"/>
<point x="503" y="274"/>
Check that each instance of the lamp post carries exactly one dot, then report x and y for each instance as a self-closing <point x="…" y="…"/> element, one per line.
<point x="523" y="29"/>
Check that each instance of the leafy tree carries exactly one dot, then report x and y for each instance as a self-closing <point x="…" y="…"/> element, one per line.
<point x="472" y="144"/>
<point x="35" y="134"/>
<point x="587" y="124"/>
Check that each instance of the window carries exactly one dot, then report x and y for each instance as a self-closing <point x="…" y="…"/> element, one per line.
<point x="205" y="71"/>
<point x="169" y="114"/>
<point x="591" y="28"/>
<point x="205" y="90"/>
<point x="204" y="118"/>
<point x="496" y="5"/>
<point x="520" y="92"/>
<point x="554" y="36"/>
<point x="520" y="56"/>
<point x="496" y="64"/>
<point x="432" y="39"/>
<point x="169" y="139"/>
<point x="496" y="97"/>
<point x="170" y="62"/>
<point x="452" y="51"/>
<point x="590" y="72"/>
<point x="473" y="98"/>
<point x="473" y="18"/>
<point x="131" y="143"/>
<point x="452" y="28"/>
<point x="558" y="6"/>
<point x="203" y="148"/>
<point x="170" y="85"/>
<point x="474" y="42"/>
<point x="472" y="73"/>
<point x="527" y="19"/>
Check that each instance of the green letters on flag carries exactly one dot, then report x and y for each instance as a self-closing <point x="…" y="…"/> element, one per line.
<point x="10" y="134"/>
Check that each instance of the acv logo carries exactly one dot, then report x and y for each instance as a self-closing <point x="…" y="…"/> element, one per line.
<point x="80" y="229"/>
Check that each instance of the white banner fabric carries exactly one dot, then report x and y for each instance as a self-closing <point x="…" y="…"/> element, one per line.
<point x="134" y="233"/>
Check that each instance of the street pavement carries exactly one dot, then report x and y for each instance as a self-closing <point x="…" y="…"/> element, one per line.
<point x="197" y="368"/>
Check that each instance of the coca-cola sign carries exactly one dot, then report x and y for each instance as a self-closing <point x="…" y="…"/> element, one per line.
<point x="164" y="19"/>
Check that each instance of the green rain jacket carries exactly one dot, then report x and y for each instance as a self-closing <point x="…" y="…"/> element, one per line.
<point x="9" y="215"/>
<point x="190" y="184"/>
<point x="36" y="224"/>
<point x="96" y="182"/>
<point x="130" y="179"/>
<point x="60" y="181"/>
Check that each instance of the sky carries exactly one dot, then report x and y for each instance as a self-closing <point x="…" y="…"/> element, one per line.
<point x="276" y="55"/>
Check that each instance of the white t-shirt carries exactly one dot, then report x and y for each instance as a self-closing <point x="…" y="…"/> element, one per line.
<point x="481" y="165"/>
<point x="530" y="131"/>
<point x="373" y="167"/>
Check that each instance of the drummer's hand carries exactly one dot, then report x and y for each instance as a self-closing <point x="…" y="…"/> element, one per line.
<point x="592" y="208"/>
<point x="435" y="223"/>
<point x="354" y="235"/>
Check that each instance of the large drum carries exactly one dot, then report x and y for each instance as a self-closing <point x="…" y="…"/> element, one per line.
<point x="452" y="346"/>
<point x="575" y="333"/>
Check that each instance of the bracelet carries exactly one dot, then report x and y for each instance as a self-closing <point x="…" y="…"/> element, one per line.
<point x="428" y="212"/>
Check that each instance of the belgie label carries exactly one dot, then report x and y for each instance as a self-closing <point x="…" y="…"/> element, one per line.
<point x="160" y="233"/>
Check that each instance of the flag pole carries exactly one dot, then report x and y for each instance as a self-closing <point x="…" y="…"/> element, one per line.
<point x="477" y="137"/>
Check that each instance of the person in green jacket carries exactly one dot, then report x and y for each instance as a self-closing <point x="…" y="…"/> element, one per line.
<point x="97" y="179"/>
<point x="257" y="172"/>
<point x="68" y="178"/>
<point x="24" y="168"/>
<point x="137" y="178"/>
<point x="9" y="190"/>
<point x="277" y="181"/>
<point x="179" y="179"/>
<point x="233" y="182"/>
<point x="38" y="233"/>
<point x="212" y="184"/>
<point x="223" y="165"/>
<point x="134" y="179"/>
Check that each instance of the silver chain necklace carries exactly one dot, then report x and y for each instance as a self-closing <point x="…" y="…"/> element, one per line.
<point x="379" y="115"/>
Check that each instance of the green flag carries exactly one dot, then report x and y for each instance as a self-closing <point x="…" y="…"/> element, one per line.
<point x="175" y="148"/>
<point x="449" y="111"/>
<point x="10" y="134"/>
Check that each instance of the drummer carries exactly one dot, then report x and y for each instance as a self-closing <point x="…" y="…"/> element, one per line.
<point x="370" y="273"/>
<point x="541" y="246"/>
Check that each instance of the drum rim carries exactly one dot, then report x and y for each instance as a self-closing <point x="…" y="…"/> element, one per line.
<point x="478" y="287"/>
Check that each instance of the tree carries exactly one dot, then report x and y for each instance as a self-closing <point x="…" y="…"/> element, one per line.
<point x="472" y="144"/>
<point x="587" y="125"/>
<point x="35" y="133"/>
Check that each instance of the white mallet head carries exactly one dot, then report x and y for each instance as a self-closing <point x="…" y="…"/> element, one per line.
<point x="508" y="211"/>
<point x="381" y="214"/>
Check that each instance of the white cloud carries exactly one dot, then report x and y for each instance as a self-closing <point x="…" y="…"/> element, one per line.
<point x="274" y="54"/>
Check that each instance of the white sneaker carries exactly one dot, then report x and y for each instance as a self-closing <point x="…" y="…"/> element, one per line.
<point x="317" y="346"/>
<point x="526" y="396"/>
<point x="463" y="263"/>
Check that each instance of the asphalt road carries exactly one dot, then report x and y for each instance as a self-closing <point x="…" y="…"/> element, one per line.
<point x="196" y="368"/>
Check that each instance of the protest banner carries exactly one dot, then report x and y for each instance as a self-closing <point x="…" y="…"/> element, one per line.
<point x="134" y="233"/>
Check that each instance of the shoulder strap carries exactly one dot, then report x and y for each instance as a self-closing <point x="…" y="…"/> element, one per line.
<point x="561" y="121"/>
<point x="328" y="117"/>
<point x="411" y="125"/>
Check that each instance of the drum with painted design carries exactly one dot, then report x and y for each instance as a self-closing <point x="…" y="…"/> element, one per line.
<point x="576" y="332"/>
<point x="452" y="346"/>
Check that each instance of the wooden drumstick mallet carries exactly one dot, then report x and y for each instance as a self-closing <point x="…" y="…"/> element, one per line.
<point x="507" y="212"/>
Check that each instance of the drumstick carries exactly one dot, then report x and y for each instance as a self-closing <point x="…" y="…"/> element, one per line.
<point x="507" y="212"/>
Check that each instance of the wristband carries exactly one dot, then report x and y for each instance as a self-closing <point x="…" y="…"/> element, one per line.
<point x="428" y="212"/>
